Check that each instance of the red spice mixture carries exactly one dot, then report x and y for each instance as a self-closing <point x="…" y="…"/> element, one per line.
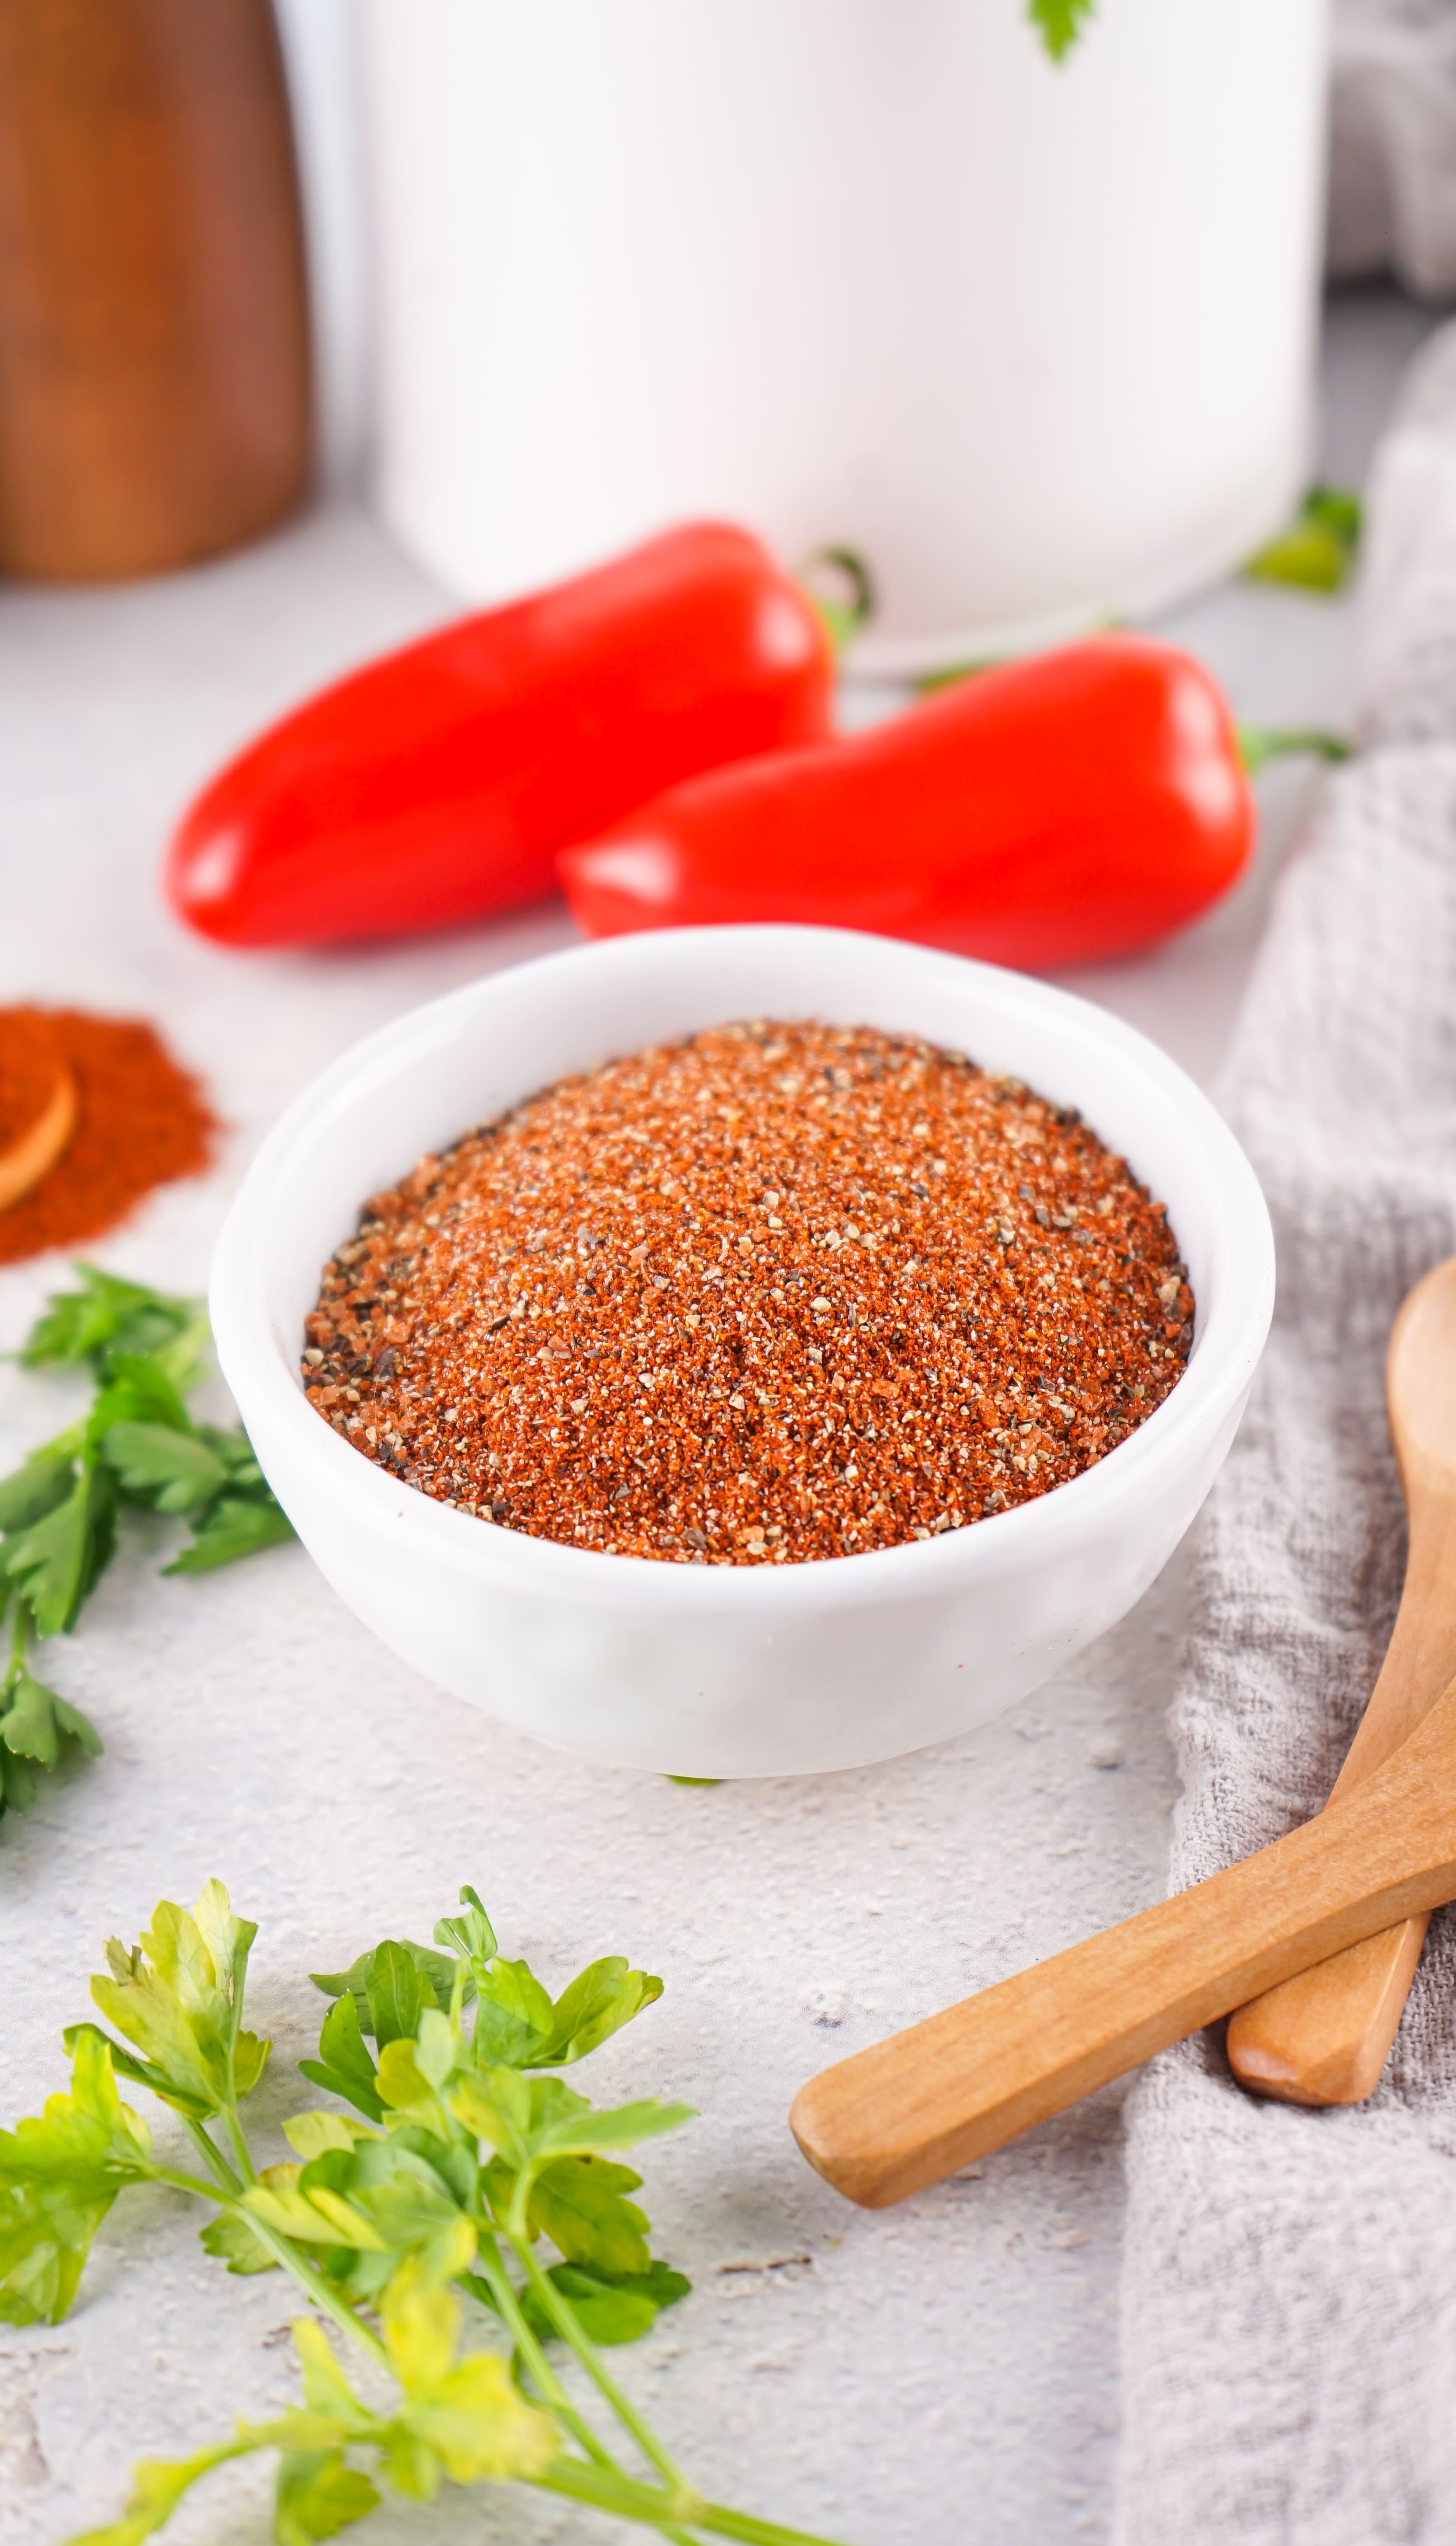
<point x="30" y="1066"/>
<point x="141" y="1121"/>
<point x="773" y="1293"/>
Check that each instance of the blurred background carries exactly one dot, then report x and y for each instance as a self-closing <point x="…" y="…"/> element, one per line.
<point x="1036" y="343"/>
<point x="1020" y="306"/>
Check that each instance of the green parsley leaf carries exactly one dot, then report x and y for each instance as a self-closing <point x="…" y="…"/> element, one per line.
<point x="18" y="1782"/>
<point x="178" y="1996"/>
<point x="660" y="2282"/>
<point x="40" y="1485"/>
<point x="607" y="2315"/>
<point x="56" y="1560"/>
<point x="58" y="2178"/>
<point x="404" y="2086"/>
<point x="319" y="2216"/>
<point x="470" y="1936"/>
<point x="345" y="2067"/>
<point x="157" y="2486"/>
<point x="183" y="1356"/>
<point x="601" y="2000"/>
<point x="1318" y="551"/>
<point x="513" y="2016"/>
<point x="586" y="2131"/>
<point x="504" y="2109"/>
<point x="318" y="2496"/>
<point x="389" y="2182"/>
<point x="167" y="1471"/>
<point x="29" y="1725"/>
<point x="580" y="2203"/>
<point x="1059" y="22"/>
<point x="35" y="1723"/>
<point x="608" y="2311"/>
<point x="326" y="2391"/>
<point x="135" y="1391"/>
<point x="233" y="1528"/>
<point x="139" y="2073"/>
<point x="528" y="2119"/>
<point x="379" y="2199"/>
<point x="74" y="1324"/>
<point x="309" y="2134"/>
<point x="467" y="2414"/>
<point x="398" y="1994"/>
<point x="517" y="2024"/>
<point x="235" y="1451"/>
<point x="137" y="1445"/>
<point x="74" y="1725"/>
<point x="436" y="1977"/>
<point x="233" y="2243"/>
<point x="105" y="1314"/>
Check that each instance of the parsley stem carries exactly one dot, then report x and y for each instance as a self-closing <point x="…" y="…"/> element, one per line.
<point x="193" y="2183"/>
<point x="553" y="2392"/>
<point x="563" y="2318"/>
<point x="643" y="2502"/>
<point x="720" y="2521"/>
<point x="20" y="1637"/>
<point x="280" y="2247"/>
<point x="213" y="2156"/>
<point x="240" y="2149"/>
<point x="313" y="2285"/>
<point x="502" y="2290"/>
<point x="608" y="2490"/>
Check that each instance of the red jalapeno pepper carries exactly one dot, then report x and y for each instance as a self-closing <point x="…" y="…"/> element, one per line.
<point x="1073" y="806"/>
<point x="437" y="783"/>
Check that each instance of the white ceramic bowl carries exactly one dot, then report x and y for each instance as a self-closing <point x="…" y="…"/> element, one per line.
<point x="720" y="1670"/>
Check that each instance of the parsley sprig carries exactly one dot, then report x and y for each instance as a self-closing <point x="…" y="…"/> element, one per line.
<point x="411" y="2222"/>
<point x="1319" y="548"/>
<point x="1059" y="22"/>
<point x="136" y="1447"/>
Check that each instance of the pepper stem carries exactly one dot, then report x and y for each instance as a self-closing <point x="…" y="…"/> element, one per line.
<point x="841" y="589"/>
<point x="1260" y="744"/>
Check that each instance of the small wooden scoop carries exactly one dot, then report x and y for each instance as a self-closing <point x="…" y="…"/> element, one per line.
<point x="1324" y="2037"/>
<point x="893" y="2119"/>
<point x="38" y="1103"/>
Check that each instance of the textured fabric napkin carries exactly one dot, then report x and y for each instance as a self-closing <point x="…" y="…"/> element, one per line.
<point x="1289" y="2296"/>
<point x="1392" y="142"/>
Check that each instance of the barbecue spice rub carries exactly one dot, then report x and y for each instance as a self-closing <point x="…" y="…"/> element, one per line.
<point x="773" y="1293"/>
<point x="137" y="1120"/>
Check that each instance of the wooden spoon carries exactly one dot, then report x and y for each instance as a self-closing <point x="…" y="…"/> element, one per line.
<point x="893" y="2119"/>
<point x="38" y="1103"/>
<point x="1324" y="2038"/>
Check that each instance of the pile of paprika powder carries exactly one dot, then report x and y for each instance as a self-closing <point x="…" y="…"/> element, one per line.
<point x="131" y="1118"/>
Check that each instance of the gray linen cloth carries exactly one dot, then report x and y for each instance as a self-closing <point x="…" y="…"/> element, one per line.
<point x="1289" y="2293"/>
<point x="1392" y="142"/>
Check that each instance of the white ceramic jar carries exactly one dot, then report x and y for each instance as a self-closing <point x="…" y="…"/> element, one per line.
<point x="1036" y="340"/>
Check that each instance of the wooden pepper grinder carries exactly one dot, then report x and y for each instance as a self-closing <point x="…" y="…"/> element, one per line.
<point x="154" y="368"/>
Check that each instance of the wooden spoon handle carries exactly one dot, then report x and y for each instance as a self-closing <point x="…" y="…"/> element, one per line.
<point x="895" y="2118"/>
<point x="1324" y="2037"/>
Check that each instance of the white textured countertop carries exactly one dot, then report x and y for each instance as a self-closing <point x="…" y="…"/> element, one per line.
<point x="942" y="2372"/>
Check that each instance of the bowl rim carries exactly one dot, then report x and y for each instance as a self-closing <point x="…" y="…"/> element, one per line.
<point x="1215" y="1378"/>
